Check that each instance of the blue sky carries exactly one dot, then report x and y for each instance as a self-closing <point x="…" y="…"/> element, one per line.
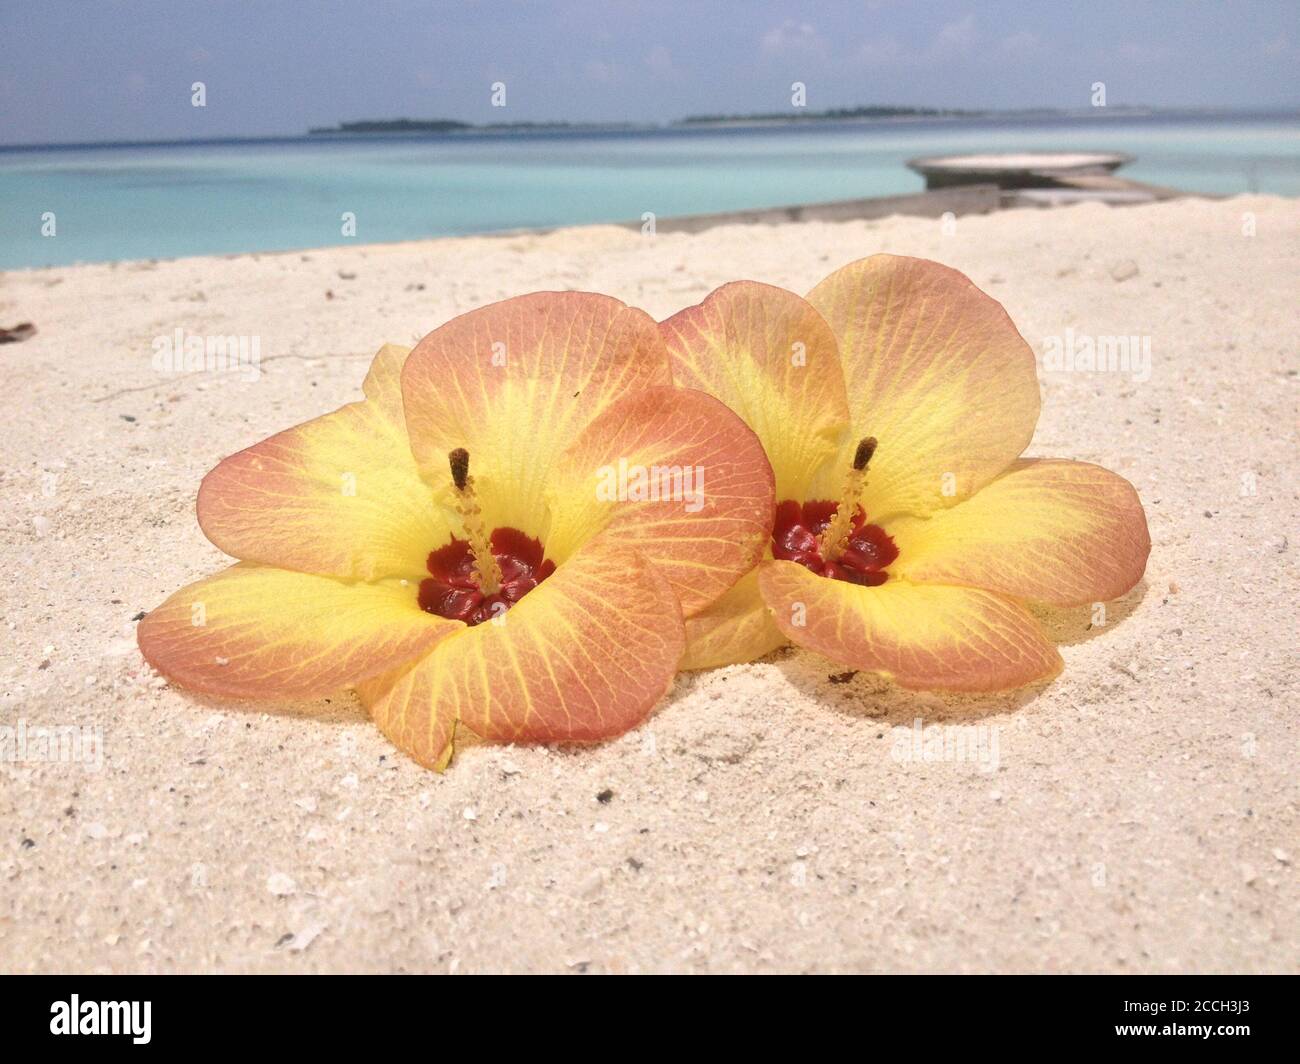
<point x="73" y="70"/>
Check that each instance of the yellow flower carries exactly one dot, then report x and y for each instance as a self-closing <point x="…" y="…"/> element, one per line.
<point x="504" y="536"/>
<point x="894" y="404"/>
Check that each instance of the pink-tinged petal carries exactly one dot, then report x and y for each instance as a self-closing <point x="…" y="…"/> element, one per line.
<point x="921" y="636"/>
<point x="770" y="356"/>
<point x="675" y="474"/>
<point x="736" y="629"/>
<point x="337" y="496"/>
<point x="1048" y="530"/>
<point x="515" y="383"/>
<point x="586" y="655"/>
<point x="257" y="632"/>
<point x="937" y="372"/>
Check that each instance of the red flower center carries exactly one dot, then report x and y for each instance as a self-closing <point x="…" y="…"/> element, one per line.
<point x="453" y="591"/>
<point x="867" y="552"/>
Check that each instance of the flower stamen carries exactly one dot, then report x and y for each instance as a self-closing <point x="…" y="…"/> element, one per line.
<point x="834" y="536"/>
<point x="487" y="571"/>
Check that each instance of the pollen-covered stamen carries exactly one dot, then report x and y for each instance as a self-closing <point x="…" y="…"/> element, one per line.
<point x="487" y="572"/>
<point x="833" y="538"/>
<point x="868" y="551"/>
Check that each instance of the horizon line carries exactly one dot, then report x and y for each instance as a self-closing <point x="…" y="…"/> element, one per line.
<point x="701" y="122"/>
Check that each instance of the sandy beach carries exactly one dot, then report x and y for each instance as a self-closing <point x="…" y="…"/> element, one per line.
<point x="1139" y="814"/>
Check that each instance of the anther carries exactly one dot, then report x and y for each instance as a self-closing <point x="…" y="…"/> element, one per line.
<point x="459" y="467"/>
<point x="831" y="542"/>
<point x="486" y="569"/>
<point x="866" y="448"/>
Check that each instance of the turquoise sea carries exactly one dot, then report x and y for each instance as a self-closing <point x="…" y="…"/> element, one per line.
<point x="167" y="200"/>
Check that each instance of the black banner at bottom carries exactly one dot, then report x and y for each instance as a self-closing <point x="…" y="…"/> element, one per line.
<point x="341" y="1013"/>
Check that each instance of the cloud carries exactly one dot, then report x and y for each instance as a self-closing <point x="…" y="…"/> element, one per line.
<point x="793" y="38"/>
<point x="1132" y="52"/>
<point x="956" y="38"/>
<point x="601" y="72"/>
<point x="885" y="51"/>
<point x="1022" y="45"/>
<point x="1279" y="45"/>
<point x="660" y="62"/>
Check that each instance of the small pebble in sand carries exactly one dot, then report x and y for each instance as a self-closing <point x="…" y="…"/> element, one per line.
<point x="280" y="884"/>
<point x="97" y="830"/>
<point x="701" y="796"/>
<point x="1122" y="271"/>
<point x="305" y="937"/>
<point x="1281" y="855"/>
<point x="470" y="813"/>
<point x="18" y="333"/>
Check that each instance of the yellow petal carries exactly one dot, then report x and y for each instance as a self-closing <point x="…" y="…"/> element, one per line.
<point x="339" y="495"/>
<point x="937" y="372"/>
<point x="921" y="636"/>
<point x="585" y="655"/>
<point x="257" y="632"/>
<point x="735" y="629"/>
<point x="514" y="383"/>
<point x="675" y="474"/>
<point x="769" y="356"/>
<point x="1048" y="530"/>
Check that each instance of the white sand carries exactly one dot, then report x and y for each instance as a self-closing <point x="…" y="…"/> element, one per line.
<point x="1143" y="815"/>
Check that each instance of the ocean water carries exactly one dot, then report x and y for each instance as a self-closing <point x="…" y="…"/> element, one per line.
<point x="163" y="201"/>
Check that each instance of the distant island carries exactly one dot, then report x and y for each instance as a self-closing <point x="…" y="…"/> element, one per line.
<point x="834" y="114"/>
<point x="451" y="125"/>
<point x="875" y="112"/>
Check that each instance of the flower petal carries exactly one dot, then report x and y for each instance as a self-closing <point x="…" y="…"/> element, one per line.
<point x="253" y="631"/>
<point x="1048" y="530"/>
<point x="514" y="383"/>
<point x="338" y="496"/>
<point x="675" y="474"/>
<point x="735" y="629"/>
<point x="585" y="655"/>
<point x="937" y="372"/>
<point x="771" y="358"/>
<point x="921" y="636"/>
